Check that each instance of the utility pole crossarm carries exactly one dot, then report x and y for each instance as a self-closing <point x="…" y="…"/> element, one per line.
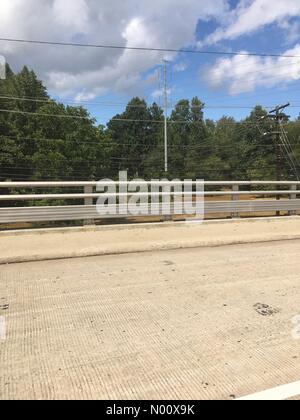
<point x="279" y="108"/>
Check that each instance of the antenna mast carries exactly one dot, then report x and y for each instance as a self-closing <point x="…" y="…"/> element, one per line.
<point x="166" y="114"/>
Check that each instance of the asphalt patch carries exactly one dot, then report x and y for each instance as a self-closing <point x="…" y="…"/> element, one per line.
<point x="265" y="310"/>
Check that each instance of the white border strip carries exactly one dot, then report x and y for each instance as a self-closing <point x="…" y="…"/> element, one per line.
<point x="279" y="393"/>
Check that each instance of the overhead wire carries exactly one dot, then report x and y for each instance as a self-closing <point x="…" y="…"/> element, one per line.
<point x="153" y="49"/>
<point x="114" y="119"/>
<point x="128" y="105"/>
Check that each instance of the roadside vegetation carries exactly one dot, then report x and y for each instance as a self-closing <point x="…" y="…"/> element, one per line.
<point x="45" y="140"/>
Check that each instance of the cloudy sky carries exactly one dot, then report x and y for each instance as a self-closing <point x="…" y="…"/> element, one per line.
<point x="110" y="77"/>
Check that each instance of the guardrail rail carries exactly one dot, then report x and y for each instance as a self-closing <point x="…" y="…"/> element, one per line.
<point x="236" y="201"/>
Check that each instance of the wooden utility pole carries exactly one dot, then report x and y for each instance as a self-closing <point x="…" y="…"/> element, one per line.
<point x="278" y="116"/>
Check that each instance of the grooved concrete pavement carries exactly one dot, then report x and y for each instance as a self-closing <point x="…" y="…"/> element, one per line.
<point x="179" y="324"/>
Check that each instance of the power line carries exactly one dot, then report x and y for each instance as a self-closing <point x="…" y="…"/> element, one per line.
<point x="101" y="142"/>
<point x="12" y="111"/>
<point x="124" y="47"/>
<point x="127" y="105"/>
<point x="39" y="114"/>
<point x="258" y="166"/>
<point x="204" y="146"/>
<point x="84" y="174"/>
<point x="68" y="101"/>
<point x="92" y="118"/>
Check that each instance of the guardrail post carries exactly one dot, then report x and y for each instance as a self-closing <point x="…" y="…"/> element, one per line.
<point x="88" y="202"/>
<point x="235" y="197"/>
<point x="293" y="197"/>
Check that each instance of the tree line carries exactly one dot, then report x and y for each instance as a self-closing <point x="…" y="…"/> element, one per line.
<point x="41" y="139"/>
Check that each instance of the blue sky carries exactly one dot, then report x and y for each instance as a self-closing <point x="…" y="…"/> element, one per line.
<point x="111" y="78"/>
<point x="191" y="82"/>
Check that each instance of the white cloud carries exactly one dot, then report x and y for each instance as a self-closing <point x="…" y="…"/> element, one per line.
<point x="87" y="72"/>
<point x="70" y="13"/>
<point x="291" y="30"/>
<point x="159" y="93"/>
<point x="241" y="74"/>
<point x="252" y="15"/>
<point x="180" y="67"/>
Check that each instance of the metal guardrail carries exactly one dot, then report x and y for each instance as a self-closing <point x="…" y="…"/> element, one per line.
<point x="234" y="206"/>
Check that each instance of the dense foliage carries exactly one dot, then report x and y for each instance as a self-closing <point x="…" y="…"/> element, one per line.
<point x="50" y="144"/>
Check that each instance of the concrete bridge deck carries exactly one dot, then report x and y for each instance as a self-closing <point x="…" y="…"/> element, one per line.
<point x="198" y="323"/>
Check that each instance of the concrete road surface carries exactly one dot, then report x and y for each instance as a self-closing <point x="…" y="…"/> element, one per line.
<point x="207" y="323"/>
